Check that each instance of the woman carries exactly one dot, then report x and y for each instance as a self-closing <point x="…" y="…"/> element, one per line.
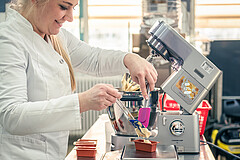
<point x="37" y="58"/>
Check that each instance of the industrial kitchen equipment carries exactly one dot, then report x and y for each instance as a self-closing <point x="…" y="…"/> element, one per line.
<point x="193" y="77"/>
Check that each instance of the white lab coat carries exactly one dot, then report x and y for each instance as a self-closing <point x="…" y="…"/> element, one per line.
<point x="37" y="108"/>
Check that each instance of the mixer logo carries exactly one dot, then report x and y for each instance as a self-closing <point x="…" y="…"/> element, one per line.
<point x="177" y="127"/>
<point x="187" y="88"/>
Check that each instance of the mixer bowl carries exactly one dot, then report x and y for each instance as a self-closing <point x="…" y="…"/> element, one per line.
<point x="120" y="123"/>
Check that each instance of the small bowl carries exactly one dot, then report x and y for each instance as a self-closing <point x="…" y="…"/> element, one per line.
<point x="86" y="151"/>
<point x="146" y="147"/>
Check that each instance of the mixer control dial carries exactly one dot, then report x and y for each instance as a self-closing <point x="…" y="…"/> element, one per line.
<point x="177" y="127"/>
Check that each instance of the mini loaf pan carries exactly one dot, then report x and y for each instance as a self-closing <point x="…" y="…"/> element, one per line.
<point x="147" y="147"/>
<point x="85" y="142"/>
<point x="86" y="151"/>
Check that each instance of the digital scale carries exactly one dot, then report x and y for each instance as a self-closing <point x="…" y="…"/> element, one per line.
<point x="162" y="153"/>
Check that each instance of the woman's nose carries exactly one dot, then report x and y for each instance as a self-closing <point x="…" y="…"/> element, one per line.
<point x="69" y="16"/>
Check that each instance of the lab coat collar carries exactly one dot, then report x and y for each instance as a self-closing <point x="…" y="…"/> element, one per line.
<point x="12" y="14"/>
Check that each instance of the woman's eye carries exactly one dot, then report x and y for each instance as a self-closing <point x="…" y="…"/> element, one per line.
<point x="63" y="7"/>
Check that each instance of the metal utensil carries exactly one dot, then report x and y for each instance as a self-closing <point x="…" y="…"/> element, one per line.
<point x="124" y="109"/>
<point x="146" y="102"/>
<point x="136" y="123"/>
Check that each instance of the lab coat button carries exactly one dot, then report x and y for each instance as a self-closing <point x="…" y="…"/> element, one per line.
<point x="61" y="61"/>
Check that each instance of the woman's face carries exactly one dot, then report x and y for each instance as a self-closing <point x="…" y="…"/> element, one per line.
<point x="49" y="18"/>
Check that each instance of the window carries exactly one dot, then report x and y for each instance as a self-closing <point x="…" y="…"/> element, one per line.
<point x="218" y="19"/>
<point x="111" y="23"/>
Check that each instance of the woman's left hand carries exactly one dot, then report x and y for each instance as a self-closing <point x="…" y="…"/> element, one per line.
<point x="141" y="71"/>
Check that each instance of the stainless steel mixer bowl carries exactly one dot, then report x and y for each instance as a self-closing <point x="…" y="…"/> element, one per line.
<point x="120" y="123"/>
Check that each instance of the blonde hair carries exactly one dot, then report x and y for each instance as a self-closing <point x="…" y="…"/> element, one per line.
<point x="21" y="6"/>
<point x="59" y="48"/>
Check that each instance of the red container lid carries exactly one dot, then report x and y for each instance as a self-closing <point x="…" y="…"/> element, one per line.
<point x="85" y="142"/>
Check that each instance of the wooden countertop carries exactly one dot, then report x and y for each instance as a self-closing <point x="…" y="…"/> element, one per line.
<point x="97" y="131"/>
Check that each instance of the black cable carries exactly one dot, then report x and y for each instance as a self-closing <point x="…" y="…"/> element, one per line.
<point x="224" y="151"/>
<point x="163" y="96"/>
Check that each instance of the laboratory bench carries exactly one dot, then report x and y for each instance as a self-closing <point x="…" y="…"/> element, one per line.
<point x="97" y="131"/>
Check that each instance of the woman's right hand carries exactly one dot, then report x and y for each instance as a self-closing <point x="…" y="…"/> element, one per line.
<point x="98" y="97"/>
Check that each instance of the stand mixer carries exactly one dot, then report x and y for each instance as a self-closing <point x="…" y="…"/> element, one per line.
<point x="188" y="85"/>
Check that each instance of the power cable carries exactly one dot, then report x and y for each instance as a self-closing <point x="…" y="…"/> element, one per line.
<point x="224" y="151"/>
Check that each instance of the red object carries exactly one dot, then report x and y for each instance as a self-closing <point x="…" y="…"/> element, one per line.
<point x="86" y="147"/>
<point x="116" y="126"/>
<point x="169" y="104"/>
<point x="85" y="142"/>
<point x="86" y="151"/>
<point x="121" y="123"/>
<point x="202" y="110"/>
<point x="147" y="147"/>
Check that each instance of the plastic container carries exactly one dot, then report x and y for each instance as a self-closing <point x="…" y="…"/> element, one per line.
<point x="86" y="151"/>
<point x="147" y="147"/>
<point x="202" y="110"/>
<point x="85" y="142"/>
<point x="169" y="103"/>
<point x="86" y="147"/>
